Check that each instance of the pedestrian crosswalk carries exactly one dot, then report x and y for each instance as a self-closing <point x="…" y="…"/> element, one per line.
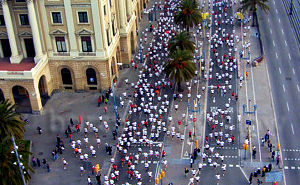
<point x="292" y="167"/>
<point x="228" y="165"/>
<point x="290" y="150"/>
<point x="292" y="159"/>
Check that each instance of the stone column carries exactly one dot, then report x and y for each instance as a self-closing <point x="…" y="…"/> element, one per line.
<point x="129" y="8"/>
<point x="122" y="10"/>
<point x="15" y="57"/>
<point x="97" y="26"/>
<point x="35" y="31"/>
<point x="71" y="30"/>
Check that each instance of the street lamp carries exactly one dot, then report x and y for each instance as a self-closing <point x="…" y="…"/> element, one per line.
<point x="18" y="160"/>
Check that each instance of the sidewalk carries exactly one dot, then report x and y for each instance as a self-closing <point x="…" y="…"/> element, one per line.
<point x="256" y="91"/>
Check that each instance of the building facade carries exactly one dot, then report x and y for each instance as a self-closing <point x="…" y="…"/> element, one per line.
<point x="73" y="45"/>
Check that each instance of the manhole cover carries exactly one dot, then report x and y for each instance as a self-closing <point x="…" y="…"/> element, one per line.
<point x="40" y="153"/>
<point x="288" y="78"/>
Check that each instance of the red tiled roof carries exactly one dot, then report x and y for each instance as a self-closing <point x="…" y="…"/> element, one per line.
<point x="25" y="65"/>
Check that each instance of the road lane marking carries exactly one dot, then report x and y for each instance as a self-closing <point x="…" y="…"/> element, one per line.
<point x="271" y="31"/>
<point x="282" y="31"/>
<point x="276" y="55"/>
<point x="279" y="20"/>
<point x="298" y="88"/>
<point x="289" y="56"/>
<point x="268" y="20"/>
<point x="294" y="70"/>
<point x="273" y="43"/>
<point x="287" y="105"/>
<point x="285" y="42"/>
<point x="276" y="10"/>
<point x="283" y="87"/>
<point x="292" y="128"/>
<point x="279" y="70"/>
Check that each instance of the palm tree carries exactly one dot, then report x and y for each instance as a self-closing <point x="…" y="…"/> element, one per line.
<point x="252" y="5"/>
<point x="180" y="67"/>
<point x="9" y="169"/>
<point x="188" y="14"/>
<point x="181" y="41"/>
<point x="10" y="122"/>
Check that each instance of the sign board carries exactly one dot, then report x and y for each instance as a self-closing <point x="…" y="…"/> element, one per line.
<point x="273" y="176"/>
<point x="248" y="122"/>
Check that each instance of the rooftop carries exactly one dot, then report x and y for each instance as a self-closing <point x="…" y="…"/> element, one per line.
<point x="25" y="65"/>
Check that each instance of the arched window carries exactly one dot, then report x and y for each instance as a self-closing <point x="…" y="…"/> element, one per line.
<point x="91" y="76"/>
<point x="66" y="76"/>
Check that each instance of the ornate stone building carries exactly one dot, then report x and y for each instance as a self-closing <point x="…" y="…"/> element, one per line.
<point x="72" y="45"/>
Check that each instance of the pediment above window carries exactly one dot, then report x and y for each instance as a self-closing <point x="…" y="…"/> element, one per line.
<point x="58" y="32"/>
<point x="84" y="32"/>
<point x="25" y="34"/>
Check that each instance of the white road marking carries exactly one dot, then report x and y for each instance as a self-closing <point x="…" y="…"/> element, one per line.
<point x="294" y="70"/>
<point x="298" y="88"/>
<point x="279" y="70"/>
<point x="276" y="53"/>
<point x="286" y="167"/>
<point x="279" y="20"/>
<point x="282" y="31"/>
<point x="285" y="42"/>
<point x="289" y="56"/>
<point x="276" y="11"/>
<point x="287" y="105"/>
<point x="292" y="167"/>
<point x="273" y="43"/>
<point x="271" y="31"/>
<point x="292" y="129"/>
<point x="283" y="87"/>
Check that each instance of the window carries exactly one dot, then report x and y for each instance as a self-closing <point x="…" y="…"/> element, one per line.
<point x="2" y="21"/>
<point x="20" y="0"/>
<point x="56" y="17"/>
<point x="61" y="44"/>
<point x="107" y="35"/>
<point x="110" y="3"/>
<point x="86" y="44"/>
<point x="83" y="17"/>
<point x="104" y="10"/>
<point x="24" y="19"/>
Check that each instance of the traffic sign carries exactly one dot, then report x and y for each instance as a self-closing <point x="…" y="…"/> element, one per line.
<point x="248" y="122"/>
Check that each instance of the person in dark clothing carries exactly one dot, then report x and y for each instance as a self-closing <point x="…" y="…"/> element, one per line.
<point x="98" y="179"/>
<point x="44" y="162"/>
<point x="57" y="139"/>
<point x="71" y="122"/>
<point x="114" y="135"/>
<point x="250" y="178"/>
<point x="106" y="147"/>
<point x="270" y="167"/>
<point x="48" y="167"/>
<point x="109" y="150"/>
<point x="38" y="162"/>
<point x="39" y="130"/>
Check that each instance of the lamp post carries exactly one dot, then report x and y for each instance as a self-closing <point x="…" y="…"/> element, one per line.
<point x="114" y="96"/>
<point x="18" y="160"/>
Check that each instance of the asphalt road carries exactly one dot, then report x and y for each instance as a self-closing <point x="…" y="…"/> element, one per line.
<point x="218" y="100"/>
<point x="283" y="59"/>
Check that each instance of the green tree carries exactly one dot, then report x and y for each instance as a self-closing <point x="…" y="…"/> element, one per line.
<point x="180" y="67"/>
<point x="9" y="169"/>
<point x="10" y="122"/>
<point x="251" y="5"/>
<point x="188" y="14"/>
<point x="182" y="41"/>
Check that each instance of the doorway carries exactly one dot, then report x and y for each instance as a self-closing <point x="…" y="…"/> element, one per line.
<point x="43" y="90"/>
<point x="29" y="46"/>
<point x="66" y="78"/>
<point x="6" y="48"/>
<point x="22" y="99"/>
